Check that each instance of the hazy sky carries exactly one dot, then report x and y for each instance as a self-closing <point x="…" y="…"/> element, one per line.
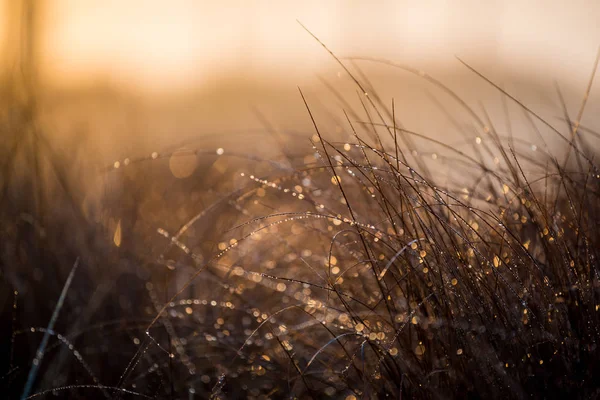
<point x="178" y="43"/>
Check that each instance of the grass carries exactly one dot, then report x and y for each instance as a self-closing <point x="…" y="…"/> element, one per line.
<point x="366" y="266"/>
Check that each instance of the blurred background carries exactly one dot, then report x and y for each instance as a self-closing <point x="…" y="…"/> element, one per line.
<point x="133" y="76"/>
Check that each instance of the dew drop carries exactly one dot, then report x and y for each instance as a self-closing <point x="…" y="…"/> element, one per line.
<point x="117" y="235"/>
<point x="281" y="287"/>
<point x="420" y="349"/>
<point x="497" y="261"/>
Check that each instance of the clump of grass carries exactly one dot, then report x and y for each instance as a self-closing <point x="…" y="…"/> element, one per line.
<point x="355" y="269"/>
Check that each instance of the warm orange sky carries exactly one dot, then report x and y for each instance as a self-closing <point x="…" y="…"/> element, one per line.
<point x="180" y="43"/>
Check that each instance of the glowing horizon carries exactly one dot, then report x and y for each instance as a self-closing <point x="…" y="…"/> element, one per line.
<point x="143" y="43"/>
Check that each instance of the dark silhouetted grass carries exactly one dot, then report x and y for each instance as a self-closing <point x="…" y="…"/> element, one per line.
<point x="377" y="263"/>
